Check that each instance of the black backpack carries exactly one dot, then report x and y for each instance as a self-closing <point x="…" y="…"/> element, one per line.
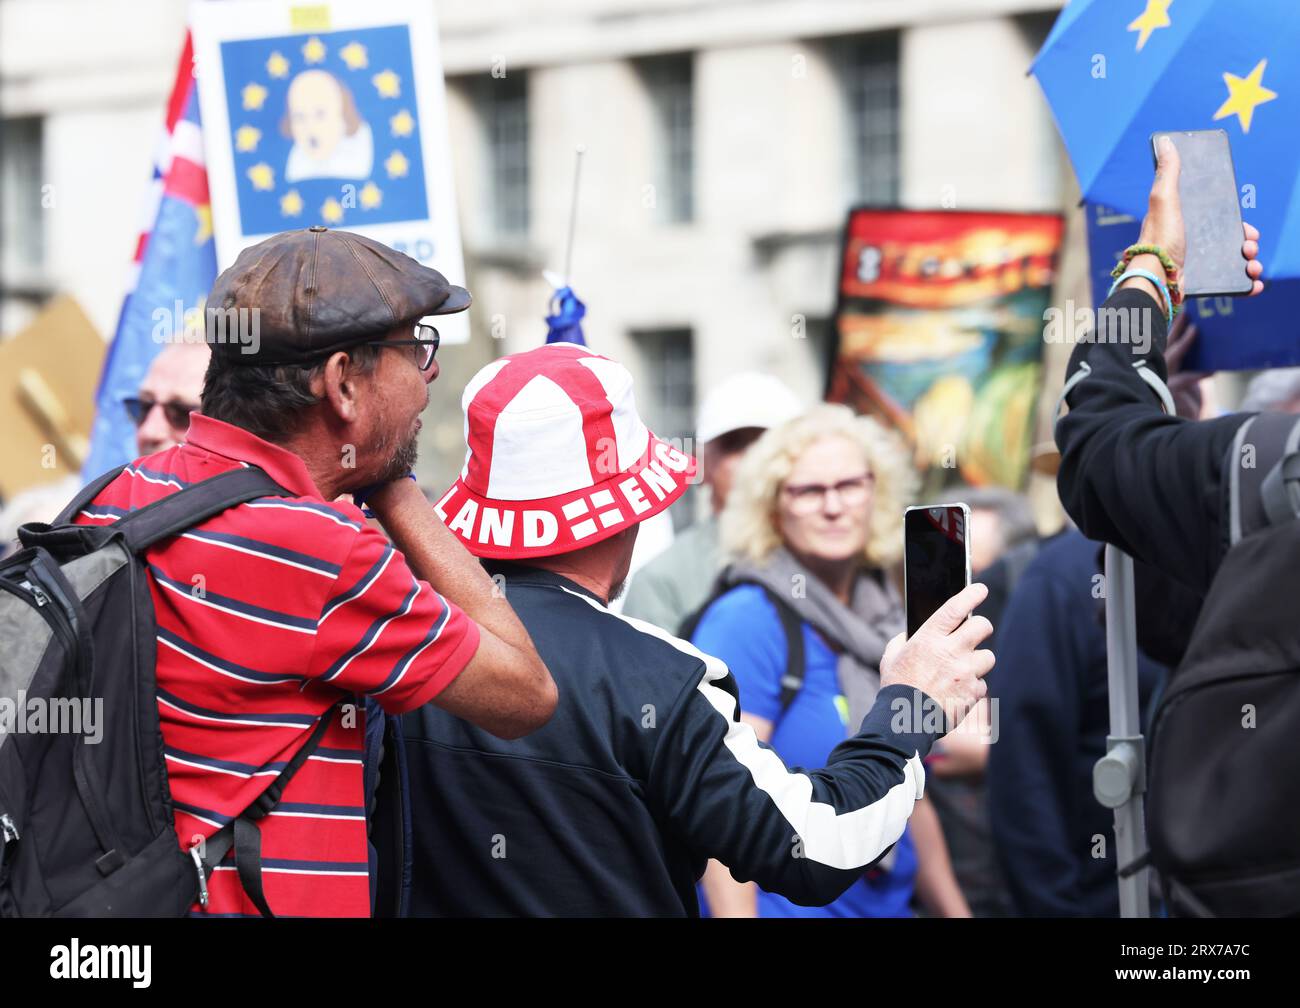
<point x="1223" y="811"/>
<point x="87" y="827"/>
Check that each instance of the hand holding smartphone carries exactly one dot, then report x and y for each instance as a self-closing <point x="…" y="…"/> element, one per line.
<point x="940" y="659"/>
<point x="936" y="558"/>
<point x="1213" y="263"/>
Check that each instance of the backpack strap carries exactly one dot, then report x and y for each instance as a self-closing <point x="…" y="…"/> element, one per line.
<point x="243" y="833"/>
<point x="1263" y="471"/>
<point x="796" y="663"/>
<point x="1277" y="491"/>
<point x="87" y="495"/>
<point x="194" y="505"/>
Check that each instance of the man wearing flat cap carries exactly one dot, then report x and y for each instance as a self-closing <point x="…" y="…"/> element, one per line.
<point x="276" y="611"/>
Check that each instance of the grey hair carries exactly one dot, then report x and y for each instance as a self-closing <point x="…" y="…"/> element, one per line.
<point x="1272" y="390"/>
<point x="1015" y="517"/>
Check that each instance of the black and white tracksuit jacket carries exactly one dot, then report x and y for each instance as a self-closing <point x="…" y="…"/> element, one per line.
<point x="643" y="773"/>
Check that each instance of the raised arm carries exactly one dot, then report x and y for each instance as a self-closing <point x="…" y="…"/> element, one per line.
<point x="505" y="688"/>
<point x="1153" y="484"/>
<point x="809" y="834"/>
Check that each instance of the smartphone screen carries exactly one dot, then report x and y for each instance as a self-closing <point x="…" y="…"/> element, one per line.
<point x="1207" y="189"/>
<point x="936" y="558"/>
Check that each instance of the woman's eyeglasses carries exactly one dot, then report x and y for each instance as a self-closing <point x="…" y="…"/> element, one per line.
<point x="176" y="412"/>
<point x="425" y="340"/>
<point x="809" y="498"/>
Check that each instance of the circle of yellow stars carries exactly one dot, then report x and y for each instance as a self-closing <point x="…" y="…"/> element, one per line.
<point x="1245" y="94"/>
<point x="401" y="124"/>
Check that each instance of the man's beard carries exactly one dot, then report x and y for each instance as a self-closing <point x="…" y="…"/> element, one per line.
<point x="402" y="459"/>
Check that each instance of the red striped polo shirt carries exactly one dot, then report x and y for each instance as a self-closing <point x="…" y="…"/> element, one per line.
<point x="267" y="615"/>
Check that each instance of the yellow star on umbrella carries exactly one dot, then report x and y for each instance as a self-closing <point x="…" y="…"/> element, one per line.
<point x="246" y="138"/>
<point x="253" y="96"/>
<point x="204" y="229"/>
<point x="313" y="50"/>
<point x="387" y="83"/>
<point x="277" y="65"/>
<point x="370" y="196"/>
<point x="1155" y="16"/>
<point x="331" y="212"/>
<point x="402" y="124"/>
<point x="396" y="164"/>
<point x="354" y="55"/>
<point x="262" y="175"/>
<point x="1244" y="93"/>
<point x="290" y="204"/>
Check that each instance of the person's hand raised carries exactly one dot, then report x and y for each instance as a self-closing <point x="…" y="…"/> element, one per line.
<point x="1250" y="250"/>
<point x="1163" y="224"/>
<point x="941" y="659"/>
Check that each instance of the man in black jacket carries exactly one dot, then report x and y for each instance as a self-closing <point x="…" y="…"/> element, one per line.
<point x="645" y="770"/>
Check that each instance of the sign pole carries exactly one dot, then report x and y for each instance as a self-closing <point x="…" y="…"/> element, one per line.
<point x="1119" y="777"/>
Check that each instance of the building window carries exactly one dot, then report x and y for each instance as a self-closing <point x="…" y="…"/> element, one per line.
<point x="670" y="82"/>
<point x="23" y="258"/>
<point x="868" y="71"/>
<point x="502" y="107"/>
<point x="667" y="397"/>
<point x="820" y="346"/>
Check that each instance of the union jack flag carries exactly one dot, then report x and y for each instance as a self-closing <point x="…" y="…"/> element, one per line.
<point x="173" y="269"/>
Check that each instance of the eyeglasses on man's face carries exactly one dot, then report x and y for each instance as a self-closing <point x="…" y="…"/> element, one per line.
<point x="176" y="411"/>
<point x="423" y="345"/>
<point x="809" y="498"/>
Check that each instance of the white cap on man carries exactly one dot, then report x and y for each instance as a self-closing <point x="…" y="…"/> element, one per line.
<point x="748" y="399"/>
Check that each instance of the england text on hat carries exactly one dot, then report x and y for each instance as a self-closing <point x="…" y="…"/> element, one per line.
<point x="538" y="527"/>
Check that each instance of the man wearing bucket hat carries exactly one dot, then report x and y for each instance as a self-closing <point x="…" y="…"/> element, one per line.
<point x="675" y="584"/>
<point x="645" y="770"/>
<point x="280" y="609"/>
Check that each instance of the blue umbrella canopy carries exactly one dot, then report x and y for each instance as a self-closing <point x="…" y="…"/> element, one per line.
<point x="1115" y="71"/>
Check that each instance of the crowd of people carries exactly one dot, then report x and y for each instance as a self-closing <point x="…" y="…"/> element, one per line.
<point x="481" y="721"/>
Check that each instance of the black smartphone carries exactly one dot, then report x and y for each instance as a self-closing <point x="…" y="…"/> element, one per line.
<point x="1207" y="189"/>
<point x="936" y="558"/>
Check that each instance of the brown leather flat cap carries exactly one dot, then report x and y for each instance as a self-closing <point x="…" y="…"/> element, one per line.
<point x="301" y="295"/>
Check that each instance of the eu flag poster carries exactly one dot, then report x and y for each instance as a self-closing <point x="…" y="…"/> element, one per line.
<point x="330" y="114"/>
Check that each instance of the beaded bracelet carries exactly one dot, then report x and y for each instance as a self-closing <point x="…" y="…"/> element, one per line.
<point x="1170" y="309"/>
<point x="1171" y="268"/>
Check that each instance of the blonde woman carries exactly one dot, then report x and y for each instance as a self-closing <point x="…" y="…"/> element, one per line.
<point x="813" y="523"/>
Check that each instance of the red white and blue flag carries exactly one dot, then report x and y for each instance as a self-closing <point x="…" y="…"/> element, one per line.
<point x="174" y="266"/>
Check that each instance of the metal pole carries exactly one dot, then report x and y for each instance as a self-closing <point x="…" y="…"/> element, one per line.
<point x="1119" y="777"/>
<point x="573" y="216"/>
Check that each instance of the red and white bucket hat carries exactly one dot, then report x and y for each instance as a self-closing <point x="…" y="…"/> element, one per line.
<point x="558" y="458"/>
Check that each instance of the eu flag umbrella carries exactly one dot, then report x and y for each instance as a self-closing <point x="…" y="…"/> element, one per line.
<point x="1115" y="71"/>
